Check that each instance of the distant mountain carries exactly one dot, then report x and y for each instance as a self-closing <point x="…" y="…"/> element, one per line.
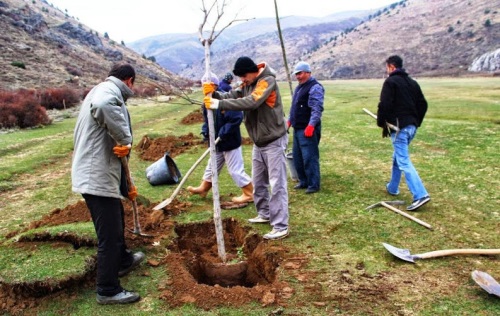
<point x="43" y="47"/>
<point x="434" y="37"/>
<point x="177" y="52"/>
<point x="266" y="47"/>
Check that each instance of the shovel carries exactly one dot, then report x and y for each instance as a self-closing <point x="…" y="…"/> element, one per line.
<point x="176" y="191"/>
<point x="404" y="254"/>
<point x="486" y="282"/>
<point x="130" y="184"/>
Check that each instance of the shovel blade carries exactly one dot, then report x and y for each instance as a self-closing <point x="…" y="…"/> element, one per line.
<point x="486" y="282"/>
<point x="403" y="254"/>
<point x="162" y="204"/>
<point x="139" y="232"/>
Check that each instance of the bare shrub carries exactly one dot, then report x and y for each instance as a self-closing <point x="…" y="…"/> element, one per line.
<point x="59" y="98"/>
<point x="75" y="71"/>
<point x="145" y="91"/>
<point x="21" y="109"/>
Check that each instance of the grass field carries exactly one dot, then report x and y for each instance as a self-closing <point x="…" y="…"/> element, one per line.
<point x="456" y="153"/>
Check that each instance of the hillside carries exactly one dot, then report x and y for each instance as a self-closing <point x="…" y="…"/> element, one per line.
<point x="177" y="52"/>
<point x="57" y="50"/>
<point x="434" y="37"/>
<point x="267" y="47"/>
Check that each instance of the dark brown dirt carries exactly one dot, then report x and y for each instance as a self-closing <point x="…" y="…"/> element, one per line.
<point x="153" y="149"/>
<point x="193" y="118"/>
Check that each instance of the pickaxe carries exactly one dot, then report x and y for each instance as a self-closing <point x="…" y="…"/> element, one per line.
<point x="392" y="208"/>
<point x="393" y="127"/>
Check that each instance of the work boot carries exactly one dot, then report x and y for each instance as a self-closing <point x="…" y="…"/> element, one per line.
<point x="202" y="190"/>
<point x="247" y="195"/>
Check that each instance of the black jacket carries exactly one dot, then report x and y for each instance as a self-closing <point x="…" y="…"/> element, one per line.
<point x="402" y="102"/>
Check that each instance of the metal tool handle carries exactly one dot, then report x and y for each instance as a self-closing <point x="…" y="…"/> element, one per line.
<point x="130" y="184"/>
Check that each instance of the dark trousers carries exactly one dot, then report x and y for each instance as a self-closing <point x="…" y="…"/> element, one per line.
<point x="112" y="254"/>
<point x="306" y="158"/>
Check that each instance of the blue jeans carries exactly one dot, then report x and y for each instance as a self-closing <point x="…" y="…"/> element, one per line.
<point x="306" y="158"/>
<point x="401" y="163"/>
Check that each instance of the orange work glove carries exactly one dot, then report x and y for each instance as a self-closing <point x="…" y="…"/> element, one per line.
<point x="208" y="87"/>
<point x="121" y="151"/>
<point x="132" y="194"/>
<point x="211" y="104"/>
<point x="309" y="131"/>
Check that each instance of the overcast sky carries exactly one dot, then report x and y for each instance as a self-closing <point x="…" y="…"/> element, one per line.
<point x="130" y="20"/>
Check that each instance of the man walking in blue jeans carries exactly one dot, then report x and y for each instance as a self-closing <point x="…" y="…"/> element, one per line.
<point x="305" y="118"/>
<point x="402" y="104"/>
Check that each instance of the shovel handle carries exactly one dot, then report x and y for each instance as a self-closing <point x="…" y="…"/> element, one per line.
<point x="413" y="218"/>
<point x="176" y="191"/>
<point x="452" y="252"/>
<point x="130" y="184"/>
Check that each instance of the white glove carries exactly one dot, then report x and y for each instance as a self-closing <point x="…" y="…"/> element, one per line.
<point x="211" y="104"/>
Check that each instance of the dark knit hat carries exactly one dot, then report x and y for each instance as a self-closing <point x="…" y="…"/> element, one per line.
<point x="243" y="66"/>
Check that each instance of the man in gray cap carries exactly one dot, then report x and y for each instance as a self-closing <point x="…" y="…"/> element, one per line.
<point x="260" y="100"/>
<point x="305" y="118"/>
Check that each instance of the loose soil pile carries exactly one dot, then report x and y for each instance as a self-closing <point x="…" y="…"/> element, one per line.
<point x="154" y="149"/>
<point x="193" y="118"/>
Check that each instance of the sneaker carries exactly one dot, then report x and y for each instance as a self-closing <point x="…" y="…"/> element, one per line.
<point x="138" y="257"/>
<point x="124" y="297"/>
<point x="418" y="203"/>
<point x="276" y="234"/>
<point x="389" y="192"/>
<point x="299" y="186"/>
<point x="258" y="219"/>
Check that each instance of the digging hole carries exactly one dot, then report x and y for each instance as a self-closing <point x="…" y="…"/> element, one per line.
<point x="250" y="261"/>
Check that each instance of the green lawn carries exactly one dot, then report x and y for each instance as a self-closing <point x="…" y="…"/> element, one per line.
<point x="456" y="153"/>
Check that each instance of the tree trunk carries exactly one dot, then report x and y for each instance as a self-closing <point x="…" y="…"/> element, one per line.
<point x="219" y="232"/>
<point x="289" y="78"/>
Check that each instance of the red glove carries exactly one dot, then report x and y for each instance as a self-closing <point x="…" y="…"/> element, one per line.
<point x="132" y="194"/>
<point x="309" y="131"/>
<point x="288" y="124"/>
<point x="121" y="151"/>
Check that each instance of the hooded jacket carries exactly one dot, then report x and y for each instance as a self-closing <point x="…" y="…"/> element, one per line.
<point x="260" y="101"/>
<point x="103" y="122"/>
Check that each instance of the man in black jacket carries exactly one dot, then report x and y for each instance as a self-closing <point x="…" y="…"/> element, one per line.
<point x="402" y="104"/>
